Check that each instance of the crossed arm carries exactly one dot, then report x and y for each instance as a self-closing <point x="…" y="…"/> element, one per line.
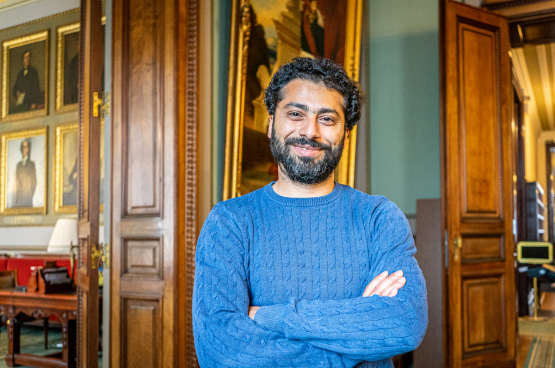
<point x="301" y="333"/>
<point x="384" y="285"/>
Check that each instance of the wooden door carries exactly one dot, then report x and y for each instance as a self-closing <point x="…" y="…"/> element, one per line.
<point x="91" y="61"/>
<point x="154" y="188"/>
<point x="476" y="176"/>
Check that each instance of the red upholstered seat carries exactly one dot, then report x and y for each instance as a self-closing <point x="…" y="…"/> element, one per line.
<point x="3" y="263"/>
<point x="23" y="267"/>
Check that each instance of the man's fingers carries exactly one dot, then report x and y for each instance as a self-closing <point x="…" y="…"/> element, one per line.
<point x="385" y="284"/>
<point x="372" y="285"/>
<point x="395" y="286"/>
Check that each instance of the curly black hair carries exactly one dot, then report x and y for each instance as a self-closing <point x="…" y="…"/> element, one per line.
<point x="319" y="70"/>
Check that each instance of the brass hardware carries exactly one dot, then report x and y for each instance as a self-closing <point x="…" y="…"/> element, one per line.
<point x="95" y="254"/>
<point x="458" y="246"/>
<point x="96" y="102"/>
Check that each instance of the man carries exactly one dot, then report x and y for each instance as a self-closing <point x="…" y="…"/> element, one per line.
<point x="306" y="272"/>
<point x="27" y="88"/>
<point x="25" y="177"/>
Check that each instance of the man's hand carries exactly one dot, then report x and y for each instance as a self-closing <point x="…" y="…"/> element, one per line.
<point x="252" y="311"/>
<point x="384" y="285"/>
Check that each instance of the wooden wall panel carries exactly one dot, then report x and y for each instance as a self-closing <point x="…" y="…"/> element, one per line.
<point x="483" y="248"/>
<point x="143" y="118"/>
<point x="484" y="314"/>
<point x="142" y="343"/>
<point x="142" y="258"/>
<point x="480" y="140"/>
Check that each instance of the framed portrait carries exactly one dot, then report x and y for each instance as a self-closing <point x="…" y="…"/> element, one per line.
<point x="66" y="169"/>
<point x="25" y="77"/>
<point x="67" y="67"/>
<point x="265" y="35"/>
<point x="23" y="165"/>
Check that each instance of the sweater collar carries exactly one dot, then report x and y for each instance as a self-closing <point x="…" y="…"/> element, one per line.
<point x="303" y="202"/>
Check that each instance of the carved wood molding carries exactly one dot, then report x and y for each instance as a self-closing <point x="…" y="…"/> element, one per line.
<point x="510" y="4"/>
<point x="187" y="186"/>
<point x="191" y="185"/>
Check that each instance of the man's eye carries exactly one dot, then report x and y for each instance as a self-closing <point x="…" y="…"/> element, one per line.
<point x="294" y="114"/>
<point x="327" y="119"/>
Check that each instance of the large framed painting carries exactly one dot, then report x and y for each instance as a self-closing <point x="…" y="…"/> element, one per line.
<point x="67" y="67"/>
<point x="23" y="172"/>
<point x="25" y="77"/>
<point x="265" y="35"/>
<point x="66" y="169"/>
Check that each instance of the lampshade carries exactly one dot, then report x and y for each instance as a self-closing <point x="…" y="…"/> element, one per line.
<point x="64" y="235"/>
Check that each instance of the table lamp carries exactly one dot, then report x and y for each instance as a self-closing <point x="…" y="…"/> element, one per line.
<point x="63" y="237"/>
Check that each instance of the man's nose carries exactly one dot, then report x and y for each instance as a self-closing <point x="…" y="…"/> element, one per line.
<point x="310" y="128"/>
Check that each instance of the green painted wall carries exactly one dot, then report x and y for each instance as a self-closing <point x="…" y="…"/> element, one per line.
<point x="404" y="101"/>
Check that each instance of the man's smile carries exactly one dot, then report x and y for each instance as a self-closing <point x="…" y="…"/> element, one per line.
<point x="306" y="150"/>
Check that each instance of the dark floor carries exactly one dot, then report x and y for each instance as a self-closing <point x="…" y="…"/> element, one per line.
<point x="32" y="341"/>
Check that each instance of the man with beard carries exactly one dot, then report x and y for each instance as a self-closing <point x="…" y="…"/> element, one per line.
<point x="306" y="272"/>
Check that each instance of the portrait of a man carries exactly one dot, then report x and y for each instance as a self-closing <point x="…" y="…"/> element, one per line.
<point x="26" y="89"/>
<point x="66" y="168"/>
<point x="25" y="177"/>
<point x="23" y="172"/>
<point x="26" y="74"/>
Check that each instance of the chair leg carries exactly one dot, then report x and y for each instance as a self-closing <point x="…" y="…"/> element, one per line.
<point x="46" y="333"/>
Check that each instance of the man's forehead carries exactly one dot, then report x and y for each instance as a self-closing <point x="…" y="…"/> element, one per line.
<point x="307" y="92"/>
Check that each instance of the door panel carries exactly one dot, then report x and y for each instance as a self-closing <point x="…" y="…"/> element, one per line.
<point x="143" y="279"/>
<point x="91" y="61"/>
<point x="477" y="187"/>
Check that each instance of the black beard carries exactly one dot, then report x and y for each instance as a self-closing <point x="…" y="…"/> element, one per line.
<point x="302" y="169"/>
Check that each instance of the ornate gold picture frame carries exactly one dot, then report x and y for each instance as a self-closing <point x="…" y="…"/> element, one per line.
<point x="65" y="168"/>
<point x="67" y="67"/>
<point x="266" y="34"/>
<point x="25" y="77"/>
<point x="23" y="172"/>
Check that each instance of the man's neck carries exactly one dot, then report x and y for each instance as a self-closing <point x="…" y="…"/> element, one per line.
<point x="286" y="187"/>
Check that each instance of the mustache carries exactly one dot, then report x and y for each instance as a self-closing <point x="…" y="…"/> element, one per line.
<point x="307" y="142"/>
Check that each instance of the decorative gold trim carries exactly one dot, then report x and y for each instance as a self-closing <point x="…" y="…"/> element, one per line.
<point x="345" y="171"/>
<point x="18" y="42"/>
<point x="4" y="166"/>
<point x="61" y="32"/>
<point x="59" y="170"/>
<point x="240" y="33"/>
<point x="27" y="24"/>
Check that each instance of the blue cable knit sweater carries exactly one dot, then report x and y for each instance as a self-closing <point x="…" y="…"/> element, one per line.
<point x="306" y="262"/>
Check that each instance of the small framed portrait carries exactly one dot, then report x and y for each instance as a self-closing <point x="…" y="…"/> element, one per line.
<point x="66" y="169"/>
<point x="67" y="67"/>
<point x="25" y="77"/>
<point x="23" y="172"/>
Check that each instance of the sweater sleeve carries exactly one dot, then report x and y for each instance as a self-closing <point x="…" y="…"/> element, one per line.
<point x="224" y="334"/>
<point x="365" y="328"/>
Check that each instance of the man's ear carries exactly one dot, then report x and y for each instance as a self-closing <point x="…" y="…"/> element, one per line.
<point x="270" y="126"/>
<point x="347" y="133"/>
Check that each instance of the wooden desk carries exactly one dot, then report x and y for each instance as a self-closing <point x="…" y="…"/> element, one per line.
<point x="63" y="306"/>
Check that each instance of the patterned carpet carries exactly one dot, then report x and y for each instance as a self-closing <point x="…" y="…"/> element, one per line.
<point x="542" y="353"/>
<point x="32" y="341"/>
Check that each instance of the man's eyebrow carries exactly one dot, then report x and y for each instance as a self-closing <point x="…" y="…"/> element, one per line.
<point x="327" y="110"/>
<point x="297" y="105"/>
<point x="323" y="110"/>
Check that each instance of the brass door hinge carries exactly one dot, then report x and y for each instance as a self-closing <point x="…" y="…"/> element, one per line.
<point x="96" y="102"/>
